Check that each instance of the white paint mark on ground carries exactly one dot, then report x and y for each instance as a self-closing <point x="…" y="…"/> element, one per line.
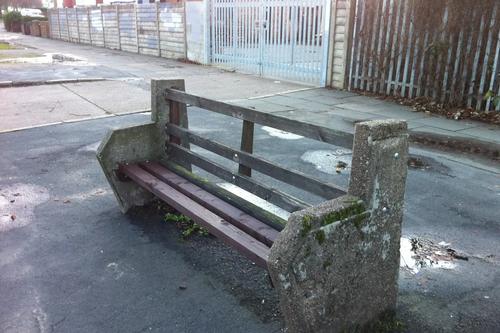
<point x="416" y="254"/>
<point x="281" y="134"/>
<point x="328" y="161"/>
<point x="255" y="200"/>
<point x="39" y="314"/>
<point x="113" y="268"/>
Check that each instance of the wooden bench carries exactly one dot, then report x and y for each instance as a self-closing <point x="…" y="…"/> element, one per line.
<point x="155" y="160"/>
<point x="249" y="229"/>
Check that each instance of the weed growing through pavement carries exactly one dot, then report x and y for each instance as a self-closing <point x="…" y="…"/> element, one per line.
<point x="186" y="225"/>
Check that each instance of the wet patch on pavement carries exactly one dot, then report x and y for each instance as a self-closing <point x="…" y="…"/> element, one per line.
<point x="330" y="161"/>
<point x="426" y="163"/>
<point x="17" y="204"/>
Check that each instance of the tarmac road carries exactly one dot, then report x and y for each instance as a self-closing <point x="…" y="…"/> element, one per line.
<point x="71" y="262"/>
<point x="82" y="266"/>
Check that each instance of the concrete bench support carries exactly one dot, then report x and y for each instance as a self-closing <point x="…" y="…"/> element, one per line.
<point x="336" y="265"/>
<point x="138" y="143"/>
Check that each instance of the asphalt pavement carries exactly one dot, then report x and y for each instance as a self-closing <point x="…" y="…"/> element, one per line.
<point x="71" y="262"/>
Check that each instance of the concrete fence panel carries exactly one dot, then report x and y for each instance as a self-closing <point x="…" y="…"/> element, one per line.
<point x="157" y="29"/>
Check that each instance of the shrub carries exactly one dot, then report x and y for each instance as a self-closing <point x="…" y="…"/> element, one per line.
<point x="31" y="18"/>
<point x="8" y="18"/>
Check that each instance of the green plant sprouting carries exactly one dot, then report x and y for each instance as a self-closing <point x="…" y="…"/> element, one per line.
<point x="187" y="226"/>
<point x="494" y="97"/>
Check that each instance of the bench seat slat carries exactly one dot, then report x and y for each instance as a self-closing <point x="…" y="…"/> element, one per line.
<point x="240" y="219"/>
<point x="272" y="220"/>
<point x="225" y="231"/>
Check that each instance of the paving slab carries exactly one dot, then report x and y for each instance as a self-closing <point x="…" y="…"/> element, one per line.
<point x="113" y="96"/>
<point x="34" y="106"/>
<point x="262" y="106"/>
<point x="399" y="112"/>
<point x="296" y="103"/>
<point x="57" y="72"/>
<point x="302" y="115"/>
<point x="355" y="115"/>
<point x="442" y="132"/>
<point x="365" y="100"/>
<point x="332" y="93"/>
<point x="490" y="133"/>
<point x="447" y="124"/>
<point x="327" y="100"/>
<point x="364" y="106"/>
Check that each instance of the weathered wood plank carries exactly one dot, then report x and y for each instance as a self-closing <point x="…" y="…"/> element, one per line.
<point x="246" y="145"/>
<point x="341" y="135"/>
<point x="251" y="209"/>
<point x="225" y="231"/>
<point x="272" y="195"/>
<point x="236" y="217"/>
<point x="292" y="177"/>
<point x="175" y="119"/>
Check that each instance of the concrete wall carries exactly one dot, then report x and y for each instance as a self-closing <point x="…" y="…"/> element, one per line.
<point x="155" y="29"/>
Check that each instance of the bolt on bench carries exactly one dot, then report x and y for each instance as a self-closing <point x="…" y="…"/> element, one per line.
<point x="335" y="265"/>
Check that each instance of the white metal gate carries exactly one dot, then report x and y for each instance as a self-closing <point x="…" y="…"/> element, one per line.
<point x="285" y="38"/>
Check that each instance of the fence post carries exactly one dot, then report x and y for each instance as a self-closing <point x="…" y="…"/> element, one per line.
<point x="136" y="10"/>
<point x="50" y="13"/>
<point x="336" y="265"/>
<point x="77" y="25"/>
<point x="89" y="25"/>
<point x="207" y="30"/>
<point x="338" y="55"/>
<point x="58" y="24"/>
<point x="184" y="26"/>
<point x="158" y="29"/>
<point x="103" y="34"/>
<point x="67" y="25"/>
<point x="118" y="27"/>
<point x="331" y="42"/>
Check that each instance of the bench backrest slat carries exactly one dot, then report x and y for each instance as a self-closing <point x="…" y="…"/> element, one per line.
<point x="340" y="133"/>
<point x="295" y="178"/>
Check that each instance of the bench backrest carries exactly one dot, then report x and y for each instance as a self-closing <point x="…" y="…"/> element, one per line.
<point x="180" y="138"/>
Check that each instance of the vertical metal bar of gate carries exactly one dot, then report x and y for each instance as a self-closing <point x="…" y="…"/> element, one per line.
<point x="213" y="39"/>
<point x="325" y="41"/>
<point x="235" y="35"/>
<point x="261" y="36"/>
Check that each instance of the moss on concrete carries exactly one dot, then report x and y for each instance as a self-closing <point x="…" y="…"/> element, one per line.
<point x="342" y="214"/>
<point x="306" y="226"/>
<point x="320" y="236"/>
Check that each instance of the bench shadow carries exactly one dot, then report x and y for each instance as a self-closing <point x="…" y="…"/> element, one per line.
<point x="226" y="269"/>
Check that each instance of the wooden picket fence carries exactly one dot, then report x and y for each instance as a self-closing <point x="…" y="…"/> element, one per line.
<point x="445" y="50"/>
